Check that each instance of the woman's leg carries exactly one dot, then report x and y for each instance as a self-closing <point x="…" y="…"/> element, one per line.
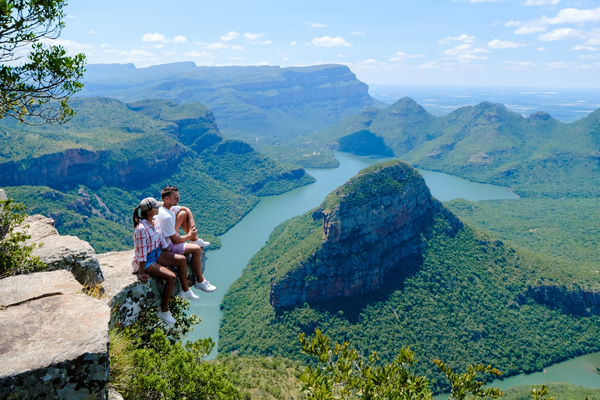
<point x="158" y="271"/>
<point x="179" y="261"/>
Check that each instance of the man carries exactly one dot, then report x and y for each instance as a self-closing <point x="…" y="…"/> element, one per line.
<point x="171" y="217"/>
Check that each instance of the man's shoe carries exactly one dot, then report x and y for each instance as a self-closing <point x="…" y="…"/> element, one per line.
<point x="189" y="295"/>
<point x="201" y="243"/>
<point x="166" y="316"/>
<point x="205" y="286"/>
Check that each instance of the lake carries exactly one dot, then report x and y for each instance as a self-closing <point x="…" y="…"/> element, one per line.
<point x="247" y="237"/>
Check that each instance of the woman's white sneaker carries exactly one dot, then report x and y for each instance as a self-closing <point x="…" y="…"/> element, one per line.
<point x="166" y="316"/>
<point x="189" y="295"/>
<point x="205" y="286"/>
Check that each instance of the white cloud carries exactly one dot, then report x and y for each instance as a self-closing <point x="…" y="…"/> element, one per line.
<point x="94" y="32"/>
<point x="266" y="42"/>
<point x="154" y="37"/>
<point x="110" y="51"/>
<point x="462" y="38"/>
<point x="316" y="25"/>
<point x="179" y="39"/>
<point x="158" y="46"/>
<point x="237" y="48"/>
<point x="556" y="65"/>
<point x="253" y="37"/>
<point x="540" y="2"/>
<point x="293" y="43"/>
<point x="355" y="33"/>
<point x="400" y="56"/>
<point x="71" y="16"/>
<point x="430" y="65"/>
<point x="506" y="44"/>
<point x="464" y="48"/>
<point x="104" y="45"/>
<point x="564" y="16"/>
<point x="341" y="55"/>
<point x="370" y="61"/>
<point x="138" y="55"/>
<point x="236" y="58"/>
<point x="230" y="36"/>
<point x="216" y="46"/>
<point x="327" y="41"/>
<point x="526" y="30"/>
<point x="70" y="46"/>
<point x="541" y="49"/>
<point x="561" y="34"/>
<point x="286" y="59"/>
<point x="585" y="47"/>
<point x="198" y="54"/>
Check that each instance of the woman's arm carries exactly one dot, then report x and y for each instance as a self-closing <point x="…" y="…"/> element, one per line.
<point x="143" y="275"/>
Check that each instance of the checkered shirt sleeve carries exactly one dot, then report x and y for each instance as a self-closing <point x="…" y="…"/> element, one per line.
<point x="142" y="243"/>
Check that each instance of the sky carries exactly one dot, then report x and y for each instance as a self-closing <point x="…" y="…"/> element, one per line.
<point x="543" y="43"/>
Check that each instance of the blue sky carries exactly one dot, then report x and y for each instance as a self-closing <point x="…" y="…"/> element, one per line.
<point x="547" y="43"/>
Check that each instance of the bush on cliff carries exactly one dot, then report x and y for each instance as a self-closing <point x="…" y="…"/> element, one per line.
<point x="15" y="258"/>
<point x="150" y="361"/>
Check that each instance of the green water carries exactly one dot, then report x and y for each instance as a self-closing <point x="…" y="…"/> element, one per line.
<point x="242" y="241"/>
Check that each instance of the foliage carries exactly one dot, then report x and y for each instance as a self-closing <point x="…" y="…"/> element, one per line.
<point x="48" y="75"/>
<point x="535" y="156"/>
<point x="565" y="229"/>
<point x="344" y="374"/>
<point x="15" y="256"/>
<point x="464" y="302"/>
<point x="559" y="390"/>
<point x="150" y="361"/>
<point x="264" y="377"/>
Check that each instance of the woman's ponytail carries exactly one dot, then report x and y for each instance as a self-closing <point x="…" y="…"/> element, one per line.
<point x="136" y="217"/>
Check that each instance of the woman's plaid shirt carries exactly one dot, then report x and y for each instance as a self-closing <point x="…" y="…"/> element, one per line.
<point x="146" y="239"/>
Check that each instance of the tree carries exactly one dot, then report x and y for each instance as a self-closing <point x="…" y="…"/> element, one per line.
<point x="344" y="374"/>
<point x="36" y="91"/>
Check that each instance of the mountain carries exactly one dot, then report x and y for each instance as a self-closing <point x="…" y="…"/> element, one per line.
<point x="535" y="156"/>
<point x="263" y="104"/>
<point x="90" y="173"/>
<point x="382" y="264"/>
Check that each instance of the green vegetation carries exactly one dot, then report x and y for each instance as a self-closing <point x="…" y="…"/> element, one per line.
<point x="261" y="105"/>
<point x="565" y="229"/>
<point x="465" y="302"/>
<point x="558" y="390"/>
<point x="15" y="257"/>
<point x="149" y="360"/>
<point x="535" y="156"/>
<point x="344" y="374"/>
<point x="269" y="378"/>
<point x="220" y="180"/>
<point x="46" y="74"/>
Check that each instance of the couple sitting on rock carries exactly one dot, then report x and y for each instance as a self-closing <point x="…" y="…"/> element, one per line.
<point x="158" y="243"/>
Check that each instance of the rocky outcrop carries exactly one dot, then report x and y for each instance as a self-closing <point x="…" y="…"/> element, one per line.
<point x="54" y="339"/>
<point x="126" y="294"/>
<point x="94" y="169"/>
<point x="372" y="226"/>
<point x="575" y="300"/>
<point x="62" y="252"/>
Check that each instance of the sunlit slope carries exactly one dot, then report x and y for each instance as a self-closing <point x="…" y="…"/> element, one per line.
<point x="536" y="156"/>
<point x="465" y="298"/>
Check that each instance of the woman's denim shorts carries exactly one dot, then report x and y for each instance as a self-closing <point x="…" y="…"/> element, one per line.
<point x="152" y="257"/>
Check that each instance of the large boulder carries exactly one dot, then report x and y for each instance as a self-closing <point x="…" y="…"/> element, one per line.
<point x="127" y="295"/>
<point x="62" y="252"/>
<point x="54" y="339"/>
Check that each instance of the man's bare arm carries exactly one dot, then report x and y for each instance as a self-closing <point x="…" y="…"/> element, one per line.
<point x="176" y="238"/>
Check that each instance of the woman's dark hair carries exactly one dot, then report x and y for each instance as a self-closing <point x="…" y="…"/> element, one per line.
<point x="138" y="215"/>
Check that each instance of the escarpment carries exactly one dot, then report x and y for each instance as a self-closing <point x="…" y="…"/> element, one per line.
<point x="371" y="228"/>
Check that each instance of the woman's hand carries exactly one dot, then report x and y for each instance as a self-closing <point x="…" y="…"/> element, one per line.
<point x="143" y="277"/>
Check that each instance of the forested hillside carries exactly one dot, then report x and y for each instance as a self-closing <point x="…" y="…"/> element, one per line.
<point x="89" y="174"/>
<point x="535" y="156"/>
<point x="468" y="298"/>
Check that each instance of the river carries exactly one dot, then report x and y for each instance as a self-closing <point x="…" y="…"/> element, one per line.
<point x="244" y="240"/>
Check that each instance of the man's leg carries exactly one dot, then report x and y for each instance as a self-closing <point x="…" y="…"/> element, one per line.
<point x="185" y="221"/>
<point x="196" y="252"/>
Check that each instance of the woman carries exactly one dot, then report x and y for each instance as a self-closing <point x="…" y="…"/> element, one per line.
<point x="151" y="259"/>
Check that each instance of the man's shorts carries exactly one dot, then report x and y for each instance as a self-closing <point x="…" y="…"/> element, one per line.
<point x="178" y="248"/>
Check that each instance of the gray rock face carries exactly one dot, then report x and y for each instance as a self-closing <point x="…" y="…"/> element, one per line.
<point x="127" y="295"/>
<point x="55" y="346"/>
<point x="372" y="228"/>
<point x="62" y="252"/>
<point x="21" y="288"/>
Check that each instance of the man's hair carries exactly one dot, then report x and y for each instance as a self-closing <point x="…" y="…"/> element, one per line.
<point x="167" y="191"/>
